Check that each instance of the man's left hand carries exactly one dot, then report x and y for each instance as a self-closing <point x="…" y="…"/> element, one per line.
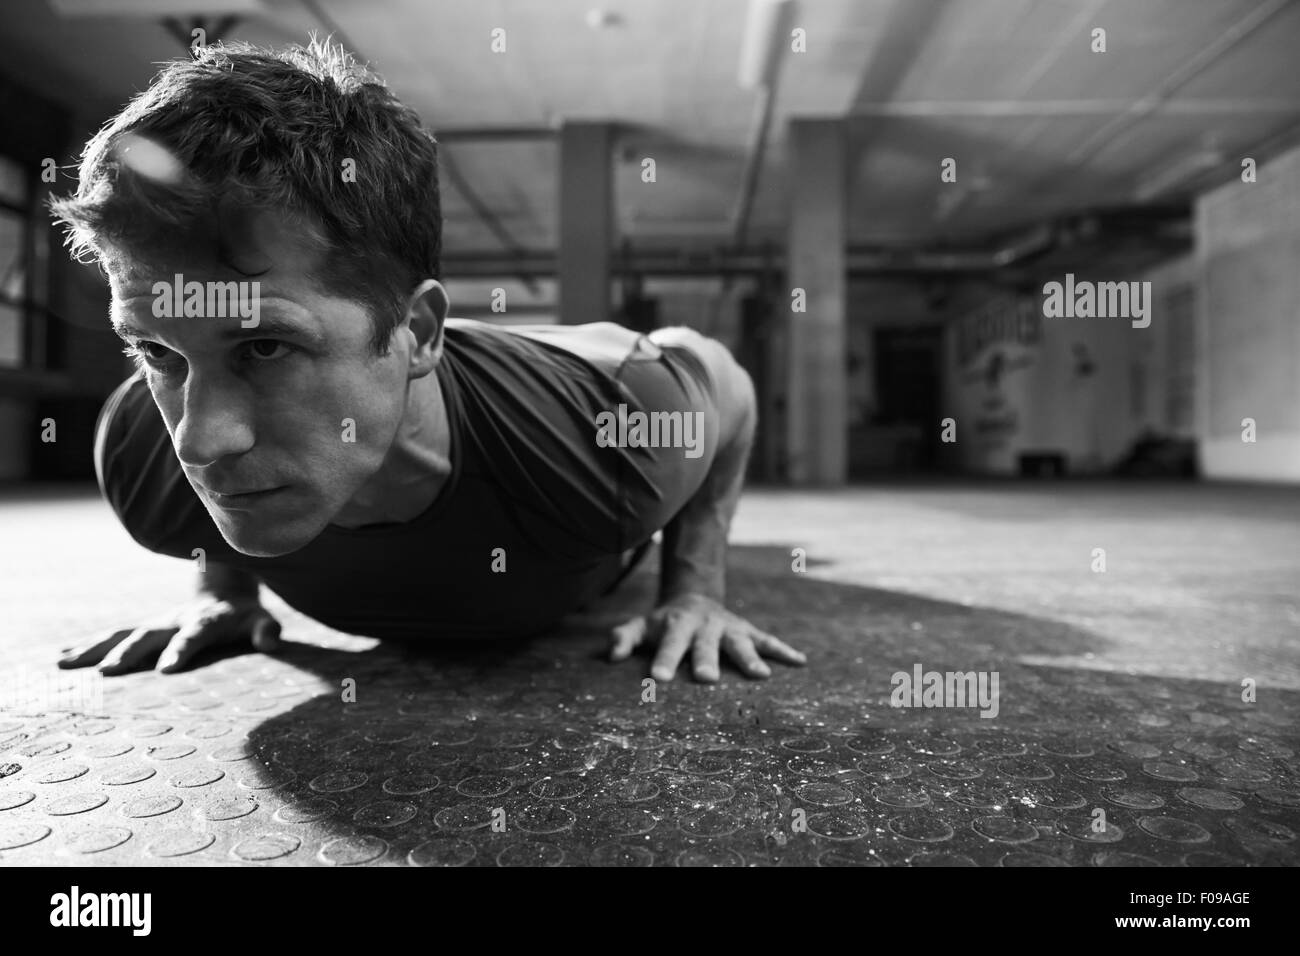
<point x="702" y="626"/>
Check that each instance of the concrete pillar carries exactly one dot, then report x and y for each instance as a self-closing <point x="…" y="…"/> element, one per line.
<point x="1248" y="316"/>
<point x="586" y="222"/>
<point x="816" y="381"/>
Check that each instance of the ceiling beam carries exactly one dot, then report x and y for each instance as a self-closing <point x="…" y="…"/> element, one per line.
<point x="1108" y="133"/>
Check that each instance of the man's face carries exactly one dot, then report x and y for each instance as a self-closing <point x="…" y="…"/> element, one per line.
<point x="276" y="426"/>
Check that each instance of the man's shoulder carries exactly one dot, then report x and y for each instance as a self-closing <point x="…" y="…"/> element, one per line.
<point x="137" y="470"/>
<point x="127" y="424"/>
<point x="602" y="345"/>
<point x="524" y="403"/>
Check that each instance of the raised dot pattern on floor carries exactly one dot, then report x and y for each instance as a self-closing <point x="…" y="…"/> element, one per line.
<point x="442" y="766"/>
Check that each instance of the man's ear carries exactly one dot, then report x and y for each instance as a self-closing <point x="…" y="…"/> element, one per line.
<point x="426" y="313"/>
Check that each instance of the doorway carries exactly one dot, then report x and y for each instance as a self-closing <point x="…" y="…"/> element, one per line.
<point x="908" y="374"/>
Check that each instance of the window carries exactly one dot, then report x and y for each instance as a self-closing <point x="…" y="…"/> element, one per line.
<point x="15" y="221"/>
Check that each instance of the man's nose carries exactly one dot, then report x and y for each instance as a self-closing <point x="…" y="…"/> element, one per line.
<point x="216" y="421"/>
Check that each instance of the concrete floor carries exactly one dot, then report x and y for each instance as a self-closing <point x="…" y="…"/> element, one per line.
<point x="1119" y="691"/>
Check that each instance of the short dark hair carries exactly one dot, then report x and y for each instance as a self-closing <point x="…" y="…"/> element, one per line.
<point x="271" y="129"/>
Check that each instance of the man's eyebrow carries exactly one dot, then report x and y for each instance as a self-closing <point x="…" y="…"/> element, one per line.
<point x="265" y="328"/>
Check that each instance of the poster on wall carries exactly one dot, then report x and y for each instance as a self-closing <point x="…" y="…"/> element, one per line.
<point x="992" y="351"/>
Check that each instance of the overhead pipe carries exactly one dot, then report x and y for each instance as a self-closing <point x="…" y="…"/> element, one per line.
<point x="862" y="259"/>
<point x="495" y="134"/>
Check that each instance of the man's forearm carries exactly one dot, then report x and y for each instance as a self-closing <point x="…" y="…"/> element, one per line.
<point x="224" y="581"/>
<point x="695" y="541"/>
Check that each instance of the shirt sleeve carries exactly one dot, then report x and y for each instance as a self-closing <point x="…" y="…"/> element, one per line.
<point x="139" y="475"/>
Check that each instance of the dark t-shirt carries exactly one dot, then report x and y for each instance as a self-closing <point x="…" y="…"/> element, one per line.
<point x="528" y="476"/>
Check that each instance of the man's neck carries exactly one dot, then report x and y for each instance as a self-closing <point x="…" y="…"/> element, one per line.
<point x="417" y="465"/>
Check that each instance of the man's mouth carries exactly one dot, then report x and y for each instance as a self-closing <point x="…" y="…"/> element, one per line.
<point x="236" y="499"/>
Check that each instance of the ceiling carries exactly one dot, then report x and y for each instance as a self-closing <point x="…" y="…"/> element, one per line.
<point x="1039" y="124"/>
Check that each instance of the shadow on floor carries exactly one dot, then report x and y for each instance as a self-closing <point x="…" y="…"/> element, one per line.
<point x="578" y="764"/>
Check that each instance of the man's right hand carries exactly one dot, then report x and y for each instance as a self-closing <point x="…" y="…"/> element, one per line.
<point x="174" y="638"/>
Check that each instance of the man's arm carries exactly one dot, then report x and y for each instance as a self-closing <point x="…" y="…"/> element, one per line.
<point x="224" y="581"/>
<point x="695" y="541"/>
<point x="691" y="615"/>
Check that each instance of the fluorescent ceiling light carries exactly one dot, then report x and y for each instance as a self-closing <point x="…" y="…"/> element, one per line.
<point x="764" y="42"/>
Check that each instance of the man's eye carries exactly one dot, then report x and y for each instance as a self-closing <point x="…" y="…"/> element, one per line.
<point x="151" y="352"/>
<point x="267" y="349"/>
